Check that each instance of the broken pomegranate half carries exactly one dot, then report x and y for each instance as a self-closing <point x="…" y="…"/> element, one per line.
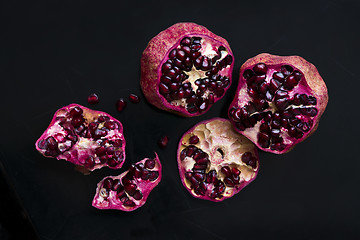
<point x="279" y="101"/>
<point x="129" y="190"/>
<point x="215" y="162"/>
<point x="185" y="69"/>
<point x="88" y="138"/>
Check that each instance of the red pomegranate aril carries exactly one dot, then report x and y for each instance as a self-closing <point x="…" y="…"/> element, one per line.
<point x="120" y="104"/>
<point x="226" y="170"/>
<point x="76" y="111"/>
<point x="108" y="183"/>
<point x="93" y="98"/>
<point x="163" y="89"/>
<point x="153" y="175"/>
<point x="166" y="67"/>
<point x="150" y="163"/>
<point x="134" y="98"/>
<point x="279" y="76"/>
<point x="138" y="195"/>
<point x="260" y="69"/>
<point x="163" y="141"/>
<point x="286" y="70"/>
<point x="194" y="139"/>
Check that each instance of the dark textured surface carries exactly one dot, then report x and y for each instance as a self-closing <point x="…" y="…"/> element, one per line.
<point x="55" y="53"/>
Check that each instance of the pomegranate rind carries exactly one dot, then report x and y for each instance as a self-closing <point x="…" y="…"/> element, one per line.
<point x="144" y="185"/>
<point x="89" y="115"/>
<point x="222" y="131"/>
<point x="314" y="81"/>
<point x="158" y="49"/>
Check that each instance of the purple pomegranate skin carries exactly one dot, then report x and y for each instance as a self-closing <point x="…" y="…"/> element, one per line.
<point x="87" y="138"/>
<point x="288" y="97"/>
<point x="217" y="163"/>
<point x="132" y="193"/>
<point x="175" y="59"/>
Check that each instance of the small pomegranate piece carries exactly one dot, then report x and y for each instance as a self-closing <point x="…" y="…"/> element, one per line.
<point x="129" y="190"/>
<point x="134" y="98"/>
<point x="279" y="101"/>
<point x="120" y="104"/>
<point x="90" y="139"/>
<point x="93" y="98"/>
<point x="220" y="164"/>
<point x="185" y="69"/>
<point x="163" y="141"/>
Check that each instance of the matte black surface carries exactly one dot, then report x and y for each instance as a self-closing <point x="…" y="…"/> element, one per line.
<point x="54" y="53"/>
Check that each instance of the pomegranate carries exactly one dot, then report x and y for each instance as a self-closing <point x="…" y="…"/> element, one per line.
<point x="90" y="139"/>
<point x="185" y="69"/>
<point x="279" y="101"/>
<point x="215" y="162"/>
<point x="129" y="190"/>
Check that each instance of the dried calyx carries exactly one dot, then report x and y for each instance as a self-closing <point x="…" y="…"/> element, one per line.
<point x="214" y="161"/>
<point x="186" y="69"/>
<point x="131" y="189"/>
<point x="279" y="101"/>
<point x="90" y="139"/>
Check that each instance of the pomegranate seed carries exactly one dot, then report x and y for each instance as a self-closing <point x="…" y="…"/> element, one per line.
<point x="153" y="176"/>
<point x="226" y="170"/>
<point x="260" y="68"/>
<point x="120" y="104"/>
<point x="138" y="195"/>
<point x="89" y="162"/>
<point x="235" y="171"/>
<point x="108" y="183"/>
<point x="134" y="98"/>
<point x="163" y="141"/>
<point x="93" y="98"/>
<point x="194" y="139"/>
<point x="185" y="41"/>
<point x="76" y="111"/>
<point x="150" y="163"/>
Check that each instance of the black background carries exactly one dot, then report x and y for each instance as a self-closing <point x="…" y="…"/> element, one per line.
<point x="54" y="53"/>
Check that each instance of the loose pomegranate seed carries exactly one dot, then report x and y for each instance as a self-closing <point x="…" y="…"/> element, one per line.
<point x="120" y="104"/>
<point x="163" y="141"/>
<point x="93" y="98"/>
<point x="134" y="98"/>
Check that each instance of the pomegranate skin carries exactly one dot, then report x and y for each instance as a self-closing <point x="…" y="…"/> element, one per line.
<point x="311" y="84"/>
<point x="218" y="134"/>
<point x="156" y="53"/>
<point x="113" y="202"/>
<point x="82" y="148"/>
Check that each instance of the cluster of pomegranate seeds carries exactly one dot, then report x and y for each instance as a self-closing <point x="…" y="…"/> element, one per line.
<point x="200" y="176"/>
<point x="279" y="112"/>
<point x="93" y="98"/>
<point x="91" y="139"/>
<point x="134" y="98"/>
<point x="129" y="190"/>
<point x="215" y="162"/>
<point x="120" y="104"/>
<point x="163" y="141"/>
<point x="185" y="61"/>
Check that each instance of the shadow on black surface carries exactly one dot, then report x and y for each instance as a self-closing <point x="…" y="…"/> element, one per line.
<point x="14" y="223"/>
